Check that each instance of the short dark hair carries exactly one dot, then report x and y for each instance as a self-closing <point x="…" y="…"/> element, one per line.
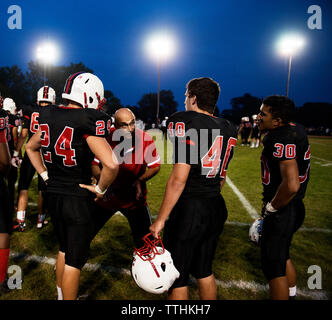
<point x="280" y="107"/>
<point x="206" y="91"/>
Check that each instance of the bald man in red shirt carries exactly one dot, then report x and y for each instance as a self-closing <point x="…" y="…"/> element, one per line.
<point x="139" y="161"/>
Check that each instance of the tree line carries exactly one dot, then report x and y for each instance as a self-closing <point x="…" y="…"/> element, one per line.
<point x="23" y="87"/>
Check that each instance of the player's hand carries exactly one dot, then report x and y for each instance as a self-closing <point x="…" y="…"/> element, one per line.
<point x="157" y="227"/>
<point x="268" y="210"/>
<point x="137" y="185"/>
<point x="16" y="161"/>
<point x="92" y="188"/>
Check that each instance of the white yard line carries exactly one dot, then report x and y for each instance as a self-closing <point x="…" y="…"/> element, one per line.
<point x="239" y="284"/>
<point x="246" y="204"/>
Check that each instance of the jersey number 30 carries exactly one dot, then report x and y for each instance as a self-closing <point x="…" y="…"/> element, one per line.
<point x="62" y="146"/>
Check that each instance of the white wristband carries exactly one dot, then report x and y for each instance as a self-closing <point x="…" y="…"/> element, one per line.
<point x="44" y="175"/>
<point x="15" y="154"/>
<point x="270" y="208"/>
<point x="99" y="191"/>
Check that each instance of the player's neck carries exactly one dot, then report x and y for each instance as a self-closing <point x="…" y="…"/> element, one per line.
<point x="196" y="109"/>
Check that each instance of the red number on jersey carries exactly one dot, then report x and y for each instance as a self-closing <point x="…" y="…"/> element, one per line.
<point x="180" y="129"/>
<point x="231" y="144"/>
<point x="265" y="171"/>
<point x="45" y="140"/>
<point x="290" y="151"/>
<point x="34" y="125"/>
<point x="212" y="157"/>
<point x="100" y="128"/>
<point x="63" y="147"/>
<point x="170" y="129"/>
<point x="280" y="150"/>
<point x="307" y="156"/>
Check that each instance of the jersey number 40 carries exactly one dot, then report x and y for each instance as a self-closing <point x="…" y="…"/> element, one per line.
<point x="62" y="146"/>
<point x="212" y="159"/>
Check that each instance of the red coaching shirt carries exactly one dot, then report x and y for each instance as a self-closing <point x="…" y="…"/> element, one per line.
<point x="134" y="159"/>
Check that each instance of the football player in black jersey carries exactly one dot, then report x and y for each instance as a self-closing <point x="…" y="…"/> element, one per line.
<point x="285" y="163"/>
<point x="202" y="149"/>
<point x="67" y="141"/>
<point x="12" y="135"/>
<point x="5" y="213"/>
<point x="45" y="97"/>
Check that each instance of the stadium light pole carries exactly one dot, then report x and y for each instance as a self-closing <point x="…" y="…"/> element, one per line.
<point x="47" y="53"/>
<point x="289" y="45"/>
<point x="160" y="47"/>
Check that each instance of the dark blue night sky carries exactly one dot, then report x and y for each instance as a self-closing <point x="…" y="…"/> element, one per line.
<point x="230" y="41"/>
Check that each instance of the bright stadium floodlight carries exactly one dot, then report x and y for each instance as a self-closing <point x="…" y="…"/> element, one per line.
<point x="160" y="47"/>
<point x="289" y="45"/>
<point x="47" y="53"/>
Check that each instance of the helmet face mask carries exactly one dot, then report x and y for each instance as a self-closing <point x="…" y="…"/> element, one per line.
<point x="86" y="89"/>
<point x="46" y="94"/>
<point x="152" y="267"/>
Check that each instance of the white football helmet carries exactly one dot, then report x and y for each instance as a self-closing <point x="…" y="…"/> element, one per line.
<point x="85" y="89"/>
<point x="46" y="94"/>
<point x="9" y="105"/>
<point x="152" y="267"/>
<point x="255" y="231"/>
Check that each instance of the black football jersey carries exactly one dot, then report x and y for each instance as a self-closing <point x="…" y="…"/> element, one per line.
<point x="4" y="121"/>
<point x="66" y="153"/>
<point x="14" y="121"/>
<point x="30" y="119"/>
<point x="284" y="143"/>
<point x="207" y="144"/>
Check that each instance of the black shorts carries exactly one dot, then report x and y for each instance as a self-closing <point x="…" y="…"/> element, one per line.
<point x="277" y="233"/>
<point x="6" y="222"/>
<point x="73" y="225"/>
<point x="191" y="236"/>
<point x="139" y="220"/>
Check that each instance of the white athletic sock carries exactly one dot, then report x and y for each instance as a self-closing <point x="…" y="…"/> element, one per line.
<point x="60" y="297"/>
<point x="292" y="291"/>
<point x="20" y="215"/>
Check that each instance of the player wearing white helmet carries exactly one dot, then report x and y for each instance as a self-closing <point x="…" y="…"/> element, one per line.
<point x="62" y="151"/>
<point x="14" y="123"/>
<point x="45" y="97"/>
<point x="245" y="131"/>
<point x="255" y="134"/>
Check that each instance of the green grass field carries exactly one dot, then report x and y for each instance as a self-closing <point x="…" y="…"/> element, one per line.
<point x="237" y="261"/>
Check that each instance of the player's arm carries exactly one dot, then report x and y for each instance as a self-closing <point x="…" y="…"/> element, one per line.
<point x="104" y="153"/>
<point x="32" y="148"/>
<point x="147" y="175"/>
<point x="4" y="154"/>
<point x="289" y="186"/>
<point x="20" y="141"/>
<point x="174" y="189"/>
<point x="222" y="182"/>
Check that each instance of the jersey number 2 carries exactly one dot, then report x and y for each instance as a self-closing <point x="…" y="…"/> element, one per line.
<point x="62" y="146"/>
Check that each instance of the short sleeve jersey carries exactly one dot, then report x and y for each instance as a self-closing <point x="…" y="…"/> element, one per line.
<point x="134" y="159"/>
<point x="284" y="143"/>
<point x="30" y="119"/>
<point x="4" y="124"/>
<point x="66" y="153"/>
<point x="207" y="144"/>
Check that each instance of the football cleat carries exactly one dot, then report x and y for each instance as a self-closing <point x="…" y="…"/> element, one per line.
<point x="255" y="231"/>
<point x="41" y="221"/>
<point x="19" y="225"/>
<point x="152" y="266"/>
